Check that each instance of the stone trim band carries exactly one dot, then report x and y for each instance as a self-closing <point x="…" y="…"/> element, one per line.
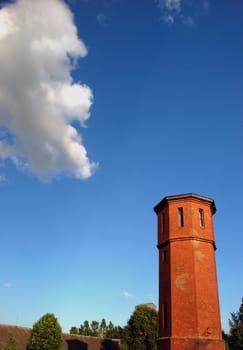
<point x="189" y="238"/>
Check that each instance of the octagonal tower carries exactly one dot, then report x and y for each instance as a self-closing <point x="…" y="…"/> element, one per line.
<point x="189" y="316"/>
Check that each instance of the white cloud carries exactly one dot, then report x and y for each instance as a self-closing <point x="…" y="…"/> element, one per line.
<point x="127" y="295"/>
<point x="102" y="19"/>
<point x="170" y="9"/>
<point x="39" y="101"/>
<point x="168" y="19"/>
<point x="172" y="5"/>
<point x="181" y="10"/>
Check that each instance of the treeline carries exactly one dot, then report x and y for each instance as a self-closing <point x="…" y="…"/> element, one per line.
<point x="140" y="332"/>
<point x="98" y="329"/>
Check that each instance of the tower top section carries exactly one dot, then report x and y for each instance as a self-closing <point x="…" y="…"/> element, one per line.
<point x="162" y="204"/>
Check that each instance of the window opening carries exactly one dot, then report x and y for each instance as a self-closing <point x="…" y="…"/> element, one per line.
<point x="201" y="218"/>
<point x="164" y="255"/>
<point x="163" y="222"/>
<point x="180" y="217"/>
<point x="164" y="315"/>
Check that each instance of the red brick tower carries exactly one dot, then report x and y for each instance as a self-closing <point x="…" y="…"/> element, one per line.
<point x="189" y="317"/>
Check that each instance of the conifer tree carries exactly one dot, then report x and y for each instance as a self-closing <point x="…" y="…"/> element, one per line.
<point x="46" y="334"/>
<point x="142" y="328"/>
<point x="73" y="330"/>
<point x="236" y="329"/>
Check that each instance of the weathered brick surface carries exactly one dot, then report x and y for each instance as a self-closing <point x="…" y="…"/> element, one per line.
<point x="187" y="275"/>
<point x="190" y="344"/>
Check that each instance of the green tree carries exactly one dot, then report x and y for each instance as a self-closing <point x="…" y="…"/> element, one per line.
<point x="94" y="328"/>
<point x="235" y="338"/>
<point x="11" y="342"/>
<point x="114" y="332"/>
<point x="73" y="330"/>
<point x="46" y="334"/>
<point x="225" y="339"/>
<point x="84" y="328"/>
<point x="142" y="329"/>
<point x="110" y="330"/>
<point x="103" y="327"/>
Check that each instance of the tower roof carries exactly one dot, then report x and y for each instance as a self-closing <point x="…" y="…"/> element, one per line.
<point x="162" y="204"/>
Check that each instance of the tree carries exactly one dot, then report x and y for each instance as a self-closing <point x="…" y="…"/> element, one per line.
<point x="235" y="338"/>
<point x="142" y="329"/>
<point x="73" y="330"/>
<point x="84" y="328"/>
<point x="225" y="339"/>
<point x="110" y="330"/>
<point x="46" y="334"/>
<point x="94" y="328"/>
<point x="11" y="342"/>
<point x="103" y="328"/>
<point x="114" y="332"/>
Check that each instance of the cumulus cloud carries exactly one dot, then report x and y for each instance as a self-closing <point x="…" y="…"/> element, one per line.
<point x="39" y="101"/>
<point x="182" y="10"/>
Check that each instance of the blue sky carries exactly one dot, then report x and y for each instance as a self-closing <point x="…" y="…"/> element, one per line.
<point x="158" y="112"/>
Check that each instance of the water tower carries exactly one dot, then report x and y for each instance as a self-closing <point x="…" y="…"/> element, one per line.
<point x="189" y="316"/>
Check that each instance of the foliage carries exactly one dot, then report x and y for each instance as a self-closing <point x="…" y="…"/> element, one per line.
<point x="96" y="329"/>
<point x="142" y="329"/>
<point x="114" y="332"/>
<point x="84" y="328"/>
<point x="11" y="342"/>
<point x="140" y="333"/>
<point x="73" y="330"/>
<point x="225" y="338"/>
<point x="46" y="334"/>
<point x="103" y="328"/>
<point x="235" y="338"/>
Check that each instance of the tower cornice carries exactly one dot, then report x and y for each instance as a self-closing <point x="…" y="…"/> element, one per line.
<point x="164" y="202"/>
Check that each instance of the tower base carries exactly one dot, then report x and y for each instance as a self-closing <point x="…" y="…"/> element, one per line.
<point x="190" y="343"/>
